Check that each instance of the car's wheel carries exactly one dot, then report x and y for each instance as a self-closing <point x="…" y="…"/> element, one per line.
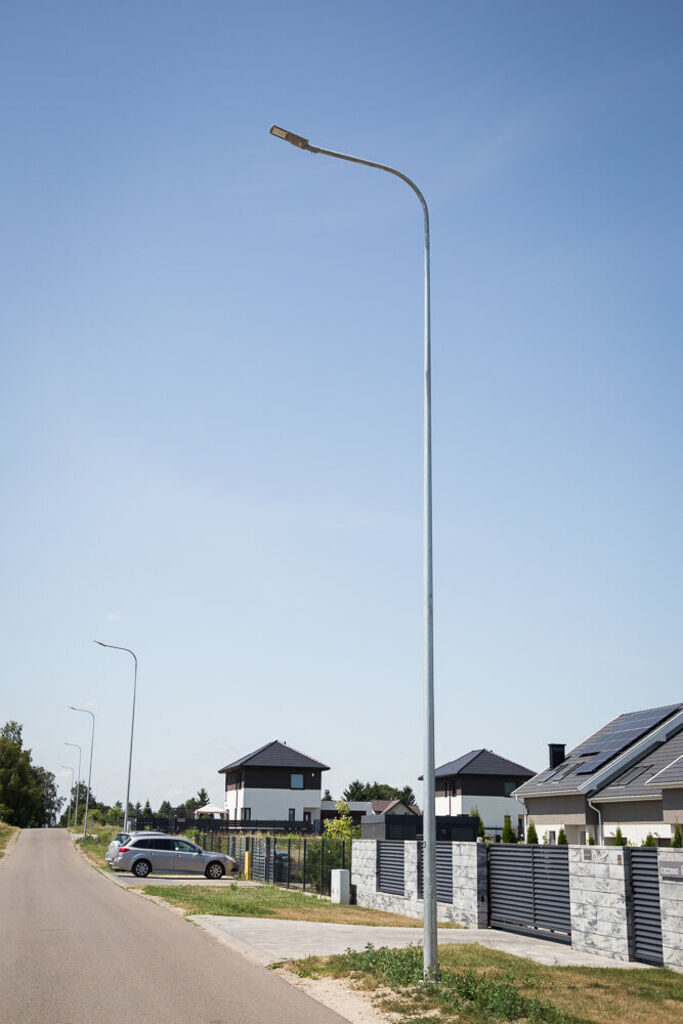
<point x="214" y="870"/>
<point x="141" y="868"/>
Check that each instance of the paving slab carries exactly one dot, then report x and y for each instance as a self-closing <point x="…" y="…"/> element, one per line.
<point x="269" y="940"/>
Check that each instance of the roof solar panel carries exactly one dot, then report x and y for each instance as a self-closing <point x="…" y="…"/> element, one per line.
<point x="621" y="734"/>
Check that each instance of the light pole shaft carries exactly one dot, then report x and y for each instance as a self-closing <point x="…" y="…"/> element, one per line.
<point x="78" y="780"/>
<point x="85" y="711"/>
<point x="130" y="752"/>
<point x="431" y="966"/>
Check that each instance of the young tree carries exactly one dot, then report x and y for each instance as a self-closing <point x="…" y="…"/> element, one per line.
<point x="509" y="835"/>
<point x="677" y="840"/>
<point x="562" y="838"/>
<point x="531" y="833"/>
<point x="341" y="827"/>
<point x="407" y="796"/>
<point x="202" y="798"/>
<point x="327" y="795"/>
<point x="649" y="840"/>
<point x="164" y="809"/>
<point x="147" y="810"/>
<point x="591" y="839"/>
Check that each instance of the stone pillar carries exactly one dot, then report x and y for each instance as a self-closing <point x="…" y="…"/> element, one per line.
<point x="670" y="864"/>
<point x="470" y="886"/>
<point x="597" y="893"/>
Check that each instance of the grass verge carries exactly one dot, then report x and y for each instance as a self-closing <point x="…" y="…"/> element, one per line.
<point x="270" y="901"/>
<point x="96" y="844"/>
<point x="6" y="832"/>
<point x="483" y="986"/>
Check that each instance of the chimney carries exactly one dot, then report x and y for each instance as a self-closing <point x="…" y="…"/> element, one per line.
<point x="555" y="754"/>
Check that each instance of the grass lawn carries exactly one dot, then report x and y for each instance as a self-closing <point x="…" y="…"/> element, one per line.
<point x="483" y="986"/>
<point x="95" y="844"/>
<point x="6" y="831"/>
<point x="269" y="901"/>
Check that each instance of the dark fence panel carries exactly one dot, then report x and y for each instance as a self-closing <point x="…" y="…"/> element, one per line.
<point x="391" y="866"/>
<point x="646" y="929"/>
<point x="444" y="872"/>
<point x="209" y="825"/>
<point x="529" y="890"/>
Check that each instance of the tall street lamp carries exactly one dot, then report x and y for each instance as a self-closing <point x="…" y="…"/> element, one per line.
<point x="69" y="769"/>
<point x="78" y="784"/>
<point x="132" y="722"/>
<point x="431" y="966"/>
<point x="92" y="740"/>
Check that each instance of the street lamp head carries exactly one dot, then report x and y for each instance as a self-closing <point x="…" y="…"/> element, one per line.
<point x="99" y="642"/>
<point x="294" y="140"/>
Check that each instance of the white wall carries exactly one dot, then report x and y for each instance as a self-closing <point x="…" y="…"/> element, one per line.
<point x="492" y="809"/>
<point x="636" y="832"/>
<point x="272" y="804"/>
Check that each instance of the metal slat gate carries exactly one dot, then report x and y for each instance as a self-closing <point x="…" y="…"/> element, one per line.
<point x="262" y="860"/>
<point x="444" y="872"/>
<point x="645" y="907"/>
<point x="391" y="866"/>
<point x="529" y="890"/>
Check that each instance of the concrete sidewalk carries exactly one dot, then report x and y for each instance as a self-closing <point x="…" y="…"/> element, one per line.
<point x="268" y="940"/>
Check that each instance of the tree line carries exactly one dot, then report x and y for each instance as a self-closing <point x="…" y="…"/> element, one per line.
<point x="28" y="792"/>
<point x="358" y="790"/>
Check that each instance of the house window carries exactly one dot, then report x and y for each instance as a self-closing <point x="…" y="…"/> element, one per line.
<point x="246" y="814"/>
<point x="307" y="817"/>
<point x="292" y="814"/>
<point x="508" y="788"/>
<point x="551" y="838"/>
<point x="296" y="781"/>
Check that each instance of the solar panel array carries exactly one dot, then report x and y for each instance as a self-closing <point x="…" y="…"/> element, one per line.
<point x="623" y="732"/>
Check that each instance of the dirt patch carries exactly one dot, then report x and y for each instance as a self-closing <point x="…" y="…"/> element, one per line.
<point x="353" y="1004"/>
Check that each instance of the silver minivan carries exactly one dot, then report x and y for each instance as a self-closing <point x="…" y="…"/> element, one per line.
<point x="143" y="854"/>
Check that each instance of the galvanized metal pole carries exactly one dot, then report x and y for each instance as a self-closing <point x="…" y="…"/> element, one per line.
<point x="92" y="740"/>
<point x="431" y="964"/>
<point x="78" y="783"/>
<point x="132" y="724"/>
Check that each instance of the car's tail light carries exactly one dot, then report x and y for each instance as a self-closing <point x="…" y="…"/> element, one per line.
<point x="123" y="849"/>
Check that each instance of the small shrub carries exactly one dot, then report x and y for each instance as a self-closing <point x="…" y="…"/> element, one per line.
<point x="649" y="840"/>
<point x="591" y="839"/>
<point x="509" y="835"/>
<point x="618" y="838"/>
<point x="677" y="837"/>
<point x="562" y="838"/>
<point x="531" y="833"/>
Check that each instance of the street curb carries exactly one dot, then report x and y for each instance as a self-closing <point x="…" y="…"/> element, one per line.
<point x="11" y="843"/>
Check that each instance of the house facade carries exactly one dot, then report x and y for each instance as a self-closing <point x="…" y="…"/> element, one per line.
<point x="627" y="776"/>
<point x="483" y="780"/>
<point x="360" y="809"/>
<point x="274" y="783"/>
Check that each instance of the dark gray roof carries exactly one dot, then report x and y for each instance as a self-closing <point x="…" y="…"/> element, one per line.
<point x="672" y="775"/>
<point x="275" y="755"/>
<point x="637" y="782"/>
<point x="595" y="753"/>
<point x="483" y="762"/>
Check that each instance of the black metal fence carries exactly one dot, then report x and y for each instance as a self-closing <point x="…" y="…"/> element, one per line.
<point x="293" y="862"/>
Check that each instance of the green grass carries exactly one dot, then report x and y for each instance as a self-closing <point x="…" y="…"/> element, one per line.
<point x="6" y="832"/>
<point x="484" y="986"/>
<point x="270" y="901"/>
<point x="96" y="843"/>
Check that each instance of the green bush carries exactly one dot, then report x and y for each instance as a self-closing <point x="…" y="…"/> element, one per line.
<point x="562" y="838"/>
<point x="509" y="835"/>
<point x="618" y="838"/>
<point x="649" y="840"/>
<point x="678" y="837"/>
<point x="531" y="833"/>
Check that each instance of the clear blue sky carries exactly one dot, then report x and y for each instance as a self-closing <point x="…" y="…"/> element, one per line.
<point x="211" y="385"/>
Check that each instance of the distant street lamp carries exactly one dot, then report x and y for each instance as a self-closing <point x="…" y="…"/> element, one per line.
<point x="69" y="769"/>
<point x="431" y="966"/>
<point x="78" y="784"/>
<point x="132" y="723"/>
<point x="92" y="740"/>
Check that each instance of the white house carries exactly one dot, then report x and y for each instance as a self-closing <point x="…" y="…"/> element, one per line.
<point x="483" y="780"/>
<point x="274" y="783"/>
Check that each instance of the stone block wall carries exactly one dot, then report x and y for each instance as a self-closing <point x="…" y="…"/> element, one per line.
<point x="671" y="902"/>
<point x="470" y="884"/>
<point x="598" y="900"/>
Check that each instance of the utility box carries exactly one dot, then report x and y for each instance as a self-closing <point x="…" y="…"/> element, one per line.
<point x="340" y="887"/>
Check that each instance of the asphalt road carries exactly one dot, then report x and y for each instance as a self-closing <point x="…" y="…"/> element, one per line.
<point x="75" y="949"/>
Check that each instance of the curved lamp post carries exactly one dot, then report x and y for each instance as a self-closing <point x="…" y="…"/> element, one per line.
<point x="78" y="787"/>
<point x="69" y="769"/>
<point x="92" y="740"/>
<point x="431" y="967"/>
<point x="132" y="722"/>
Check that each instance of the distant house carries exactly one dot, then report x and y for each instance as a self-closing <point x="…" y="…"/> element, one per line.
<point x="273" y="783"/>
<point x="628" y="775"/>
<point x="361" y="808"/>
<point x="483" y="780"/>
